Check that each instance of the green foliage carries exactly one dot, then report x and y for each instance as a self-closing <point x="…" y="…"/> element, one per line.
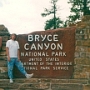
<point x="54" y="22"/>
<point x="78" y="9"/>
<point x="47" y="12"/>
<point x="50" y="23"/>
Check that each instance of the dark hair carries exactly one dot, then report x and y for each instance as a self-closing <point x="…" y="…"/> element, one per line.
<point x="13" y="34"/>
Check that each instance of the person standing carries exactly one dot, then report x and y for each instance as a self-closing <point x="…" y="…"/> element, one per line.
<point x="13" y="57"/>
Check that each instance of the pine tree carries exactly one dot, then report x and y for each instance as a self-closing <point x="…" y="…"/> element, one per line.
<point x="55" y="21"/>
<point x="78" y="9"/>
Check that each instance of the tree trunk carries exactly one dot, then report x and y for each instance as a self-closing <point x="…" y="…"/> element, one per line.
<point x="54" y="17"/>
<point x="85" y="7"/>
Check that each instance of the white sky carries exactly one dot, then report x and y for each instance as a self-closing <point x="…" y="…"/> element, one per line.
<point x="24" y="16"/>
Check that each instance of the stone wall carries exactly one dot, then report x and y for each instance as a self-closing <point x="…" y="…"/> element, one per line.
<point x="4" y="35"/>
<point x="82" y="49"/>
<point x="81" y="73"/>
<point x="44" y="84"/>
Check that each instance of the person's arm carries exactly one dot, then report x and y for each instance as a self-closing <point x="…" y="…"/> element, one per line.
<point x="7" y="53"/>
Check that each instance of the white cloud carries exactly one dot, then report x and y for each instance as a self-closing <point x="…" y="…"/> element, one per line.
<point x="24" y="16"/>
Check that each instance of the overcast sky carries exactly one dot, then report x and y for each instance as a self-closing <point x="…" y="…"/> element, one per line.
<point x="24" y="16"/>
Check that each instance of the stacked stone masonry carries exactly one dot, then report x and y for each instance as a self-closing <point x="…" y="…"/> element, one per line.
<point x="4" y="35"/>
<point x="82" y="50"/>
<point x="45" y="84"/>
<point x="81" y="75"/>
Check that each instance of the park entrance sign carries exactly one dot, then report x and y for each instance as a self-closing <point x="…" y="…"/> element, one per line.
<point x="48" y="54"/>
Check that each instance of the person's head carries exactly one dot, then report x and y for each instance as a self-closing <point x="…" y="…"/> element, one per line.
<point x="13" y="36"/>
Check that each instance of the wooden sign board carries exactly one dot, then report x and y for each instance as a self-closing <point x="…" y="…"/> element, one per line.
<point x="48" y="54"/>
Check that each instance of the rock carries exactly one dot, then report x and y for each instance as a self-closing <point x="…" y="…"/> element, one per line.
<point x="0" y="43"/>
<point x="44" y="52"/>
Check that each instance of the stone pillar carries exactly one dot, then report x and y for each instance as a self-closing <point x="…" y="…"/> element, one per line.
<point x="82" y="49"/>
<point x="4" y="36"/>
